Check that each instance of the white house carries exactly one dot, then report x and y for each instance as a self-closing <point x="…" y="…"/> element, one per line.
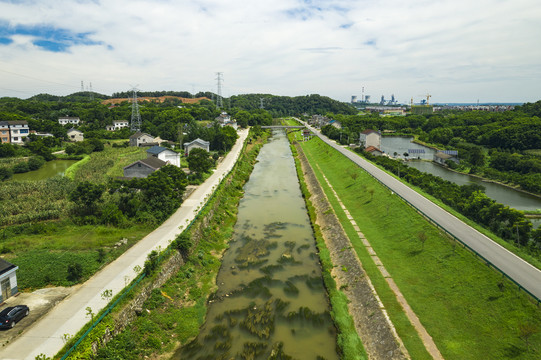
<point x="197" y="143"/>
<point x="139" y="139"/>
<point x="117" y="125"/>
<point x="169" y="156"/>
<point x="8" y="280"/>
<point x="72" y="120"/>
<point x="75" y="135"/>
<point x="18" y="131"/>
<point x="370" y="138"/>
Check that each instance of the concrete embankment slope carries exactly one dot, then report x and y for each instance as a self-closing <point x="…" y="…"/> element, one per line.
<point x="520" y="271"/>
<point x="69" y="316"/>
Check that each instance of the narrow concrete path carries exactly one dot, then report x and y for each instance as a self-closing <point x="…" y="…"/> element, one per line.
<point x="429" y="344"/>
<point x="69" y="316"/>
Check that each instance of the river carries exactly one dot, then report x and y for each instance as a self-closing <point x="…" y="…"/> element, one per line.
<point x="270" y="298"/>
<point x="49" y="169"/>
<point x="502" y="194"/>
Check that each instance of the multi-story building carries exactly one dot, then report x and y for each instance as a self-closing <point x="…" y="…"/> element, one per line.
<point x="72" y="120"/>
<point x="4" y="132"/>
<point x="14" y="132"/>
<point x="117" y="125"/>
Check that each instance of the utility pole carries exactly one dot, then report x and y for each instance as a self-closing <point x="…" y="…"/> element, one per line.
<point x="135" y="115"/>
<point x="219" y="79"/>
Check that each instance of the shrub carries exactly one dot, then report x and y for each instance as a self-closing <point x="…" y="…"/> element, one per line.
<point x="5" y="174"/>
<point x="183" y="243"/>
<point x="21" y="168"/>
<point x="36" y="162"/>
<point x="75" y="271"/>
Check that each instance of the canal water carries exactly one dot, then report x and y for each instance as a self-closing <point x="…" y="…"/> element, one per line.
<point x="502" y="194"/>
<point x="270" y="302"/>
<point x="48" y="170"/>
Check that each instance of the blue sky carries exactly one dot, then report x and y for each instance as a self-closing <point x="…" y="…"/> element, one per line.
<point x="458" y="51"/>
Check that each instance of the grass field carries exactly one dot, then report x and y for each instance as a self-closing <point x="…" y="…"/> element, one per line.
<point x="469" y="310"/>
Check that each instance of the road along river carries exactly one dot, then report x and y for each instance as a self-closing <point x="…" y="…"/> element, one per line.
<point x="520" y="271"/>
<point x="270" y="299"/>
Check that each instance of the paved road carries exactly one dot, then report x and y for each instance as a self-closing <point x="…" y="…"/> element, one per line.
<point x="69" y="316"/>
<point x="517" y="269"/>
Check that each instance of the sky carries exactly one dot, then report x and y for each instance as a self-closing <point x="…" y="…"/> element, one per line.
<point x="454" y="50"/>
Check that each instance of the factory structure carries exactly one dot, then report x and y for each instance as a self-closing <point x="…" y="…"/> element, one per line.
<point x="366" y="100"/>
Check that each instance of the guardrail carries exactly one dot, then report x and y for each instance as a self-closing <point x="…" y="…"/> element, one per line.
<point x="137" y="280"/>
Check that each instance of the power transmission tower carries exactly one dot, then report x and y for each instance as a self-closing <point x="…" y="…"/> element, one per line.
<point x="91" y="93"/>
<point x="219" y="79"/>
<point x="82" y="86"/>
<point x="261" y="103"/>
<point x="135" y="115"/>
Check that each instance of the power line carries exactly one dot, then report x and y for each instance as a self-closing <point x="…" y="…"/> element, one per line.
<point x="33" y="78"/>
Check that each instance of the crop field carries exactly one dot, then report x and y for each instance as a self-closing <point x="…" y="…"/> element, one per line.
<point x="108" y="163"/>
<point x="470" y="310"/>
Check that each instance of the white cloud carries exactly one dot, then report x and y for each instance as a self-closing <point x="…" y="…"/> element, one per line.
<point x="456" y="50"/>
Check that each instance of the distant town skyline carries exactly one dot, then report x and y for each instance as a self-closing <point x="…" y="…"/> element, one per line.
<point x="457" y="51"/>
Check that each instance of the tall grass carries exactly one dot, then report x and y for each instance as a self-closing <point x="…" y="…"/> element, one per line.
<point x="31" y="201"/>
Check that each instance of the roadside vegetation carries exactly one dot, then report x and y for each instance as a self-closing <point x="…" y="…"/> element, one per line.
<point x="498" y="146"/>
<point x="469" y="309"/>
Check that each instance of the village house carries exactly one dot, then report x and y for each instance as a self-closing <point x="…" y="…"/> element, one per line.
<point x="14" y="132"/>
<point x="75" y="135"/>
<point x="8" y="280"/>
<point x="369" y="138"/>
<point x="164" y="154"/>
<point x="71" y="120"/>
<point x="225" y="120"/>
<point x="335" y="124"/>
<point x="374" y="151"/>
<point x="197" y="143"/>
<point x="143" y="168"/>
<point x="441" y="157"/>
<point x="319" y="120"/>
<point x="117" y="125"/>
<point x="141" y="139"/>
<point x="5" y="137"/>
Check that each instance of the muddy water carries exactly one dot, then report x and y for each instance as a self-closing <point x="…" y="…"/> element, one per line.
<point x="271" y="302"/>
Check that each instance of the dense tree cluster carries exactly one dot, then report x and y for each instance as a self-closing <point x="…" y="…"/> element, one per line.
<point x="470" y="200"/>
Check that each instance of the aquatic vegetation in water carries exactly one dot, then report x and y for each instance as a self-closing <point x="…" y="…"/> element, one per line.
<point x="260" y="320"/>
<point x="271" y="269"/>
<point x="290" y="289"/>
<point x="252" y="350"/>
<point x="251" y="253"/>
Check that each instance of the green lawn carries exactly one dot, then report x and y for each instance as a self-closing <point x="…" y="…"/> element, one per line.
<point x="457" y="298"/>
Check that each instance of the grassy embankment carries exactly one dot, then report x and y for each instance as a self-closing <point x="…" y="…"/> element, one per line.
<point x="470" y="311"/>
<point x="178" y="309"/>
<point x="348" y="340"/>
<point x="37" y="235"/>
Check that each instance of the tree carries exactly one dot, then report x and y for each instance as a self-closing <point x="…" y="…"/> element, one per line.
<point x="199" y="161"/>
<point x="86" y="194"/>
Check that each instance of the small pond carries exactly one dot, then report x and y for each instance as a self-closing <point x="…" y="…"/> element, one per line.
<point x="50" y="169"/>
<point x="502" y="194"/>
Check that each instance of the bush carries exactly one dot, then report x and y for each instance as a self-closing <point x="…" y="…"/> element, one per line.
<point x="75" y="271"/>
<point x="36" y="162"/>
<point x="5" y="174"/>
<point x="183" y="243"/>
<point x="21" y="168"/>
